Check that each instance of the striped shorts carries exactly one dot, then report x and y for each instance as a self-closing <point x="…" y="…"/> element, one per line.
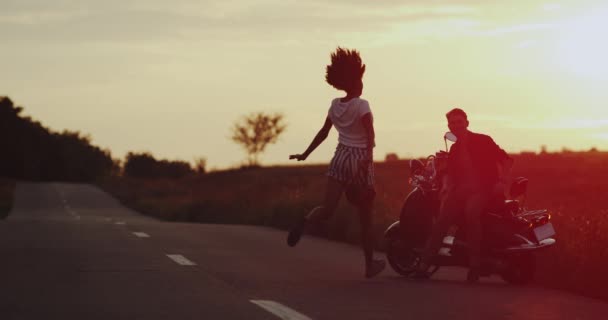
<point x="344" y="167"/>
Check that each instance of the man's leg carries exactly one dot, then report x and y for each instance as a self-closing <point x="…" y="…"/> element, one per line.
<point x="332" y="196"/>
<point x="474" y="207"/>
<point x="448" y="211"/>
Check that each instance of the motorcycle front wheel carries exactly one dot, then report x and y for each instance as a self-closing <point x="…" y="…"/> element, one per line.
<point x="402" y="259"/>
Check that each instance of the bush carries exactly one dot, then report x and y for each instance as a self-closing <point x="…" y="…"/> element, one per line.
<point x="7" y="190"/>
<point x="144" y="165"/>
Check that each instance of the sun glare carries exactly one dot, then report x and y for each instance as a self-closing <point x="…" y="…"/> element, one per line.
<point x="581" y="46"/>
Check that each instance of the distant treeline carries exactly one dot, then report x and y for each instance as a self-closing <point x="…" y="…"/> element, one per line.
<point x="31" y="151"/>
<point x="144" y="165"/>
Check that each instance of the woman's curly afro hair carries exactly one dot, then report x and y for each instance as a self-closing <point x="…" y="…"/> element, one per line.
<point x="346" y="69"/>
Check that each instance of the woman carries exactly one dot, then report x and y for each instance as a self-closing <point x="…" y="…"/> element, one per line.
<point x="351" y="169"/>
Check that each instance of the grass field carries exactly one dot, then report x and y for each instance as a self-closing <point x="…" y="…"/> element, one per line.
<point x="573" y="186"/>
<point x="7" y="188"/>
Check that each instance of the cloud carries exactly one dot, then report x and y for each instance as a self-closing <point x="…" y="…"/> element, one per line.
<point x="69" y="21"/>
<point x="40" y="17"/>
<point x="559" y="124"/>
<point x="518" y="28"/>
<point x="551" y="6"/>
<point x="603" y="135"/>
<point x="526" y="44"/>
<point x="578" y="124"/>
<point x="260" y="23"/>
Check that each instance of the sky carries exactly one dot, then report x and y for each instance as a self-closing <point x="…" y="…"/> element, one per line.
<point x="171" y="77"/>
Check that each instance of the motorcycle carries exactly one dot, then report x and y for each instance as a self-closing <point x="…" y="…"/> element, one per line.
<point x="511" y="233"/>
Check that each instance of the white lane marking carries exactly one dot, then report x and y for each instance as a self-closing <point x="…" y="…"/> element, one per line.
<point x="280" y="310"/>
<point x="179" y="259"/>
<point x="122" y="223"/>
<point x="141" y="234"/>
<point x="71" y="211"/>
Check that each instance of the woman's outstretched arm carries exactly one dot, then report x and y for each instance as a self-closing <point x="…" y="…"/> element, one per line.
<point x="319" y="138"/>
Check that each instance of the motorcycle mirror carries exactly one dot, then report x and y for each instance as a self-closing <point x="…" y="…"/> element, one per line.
<point x="450" y="136"/>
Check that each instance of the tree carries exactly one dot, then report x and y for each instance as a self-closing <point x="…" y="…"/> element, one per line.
<point x="255" y="131"/>
<point x="140" y="165"/>
<point x="390" y="157"/>
<point x="200" y="165"/>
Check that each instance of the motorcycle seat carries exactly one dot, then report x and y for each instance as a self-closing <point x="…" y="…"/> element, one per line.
<point x="506" y="208"/>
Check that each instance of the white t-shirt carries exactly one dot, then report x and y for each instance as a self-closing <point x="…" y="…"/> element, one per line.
<point x="346" y="117"/>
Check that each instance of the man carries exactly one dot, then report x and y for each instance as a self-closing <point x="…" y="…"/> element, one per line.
<point x="476" y="172"/>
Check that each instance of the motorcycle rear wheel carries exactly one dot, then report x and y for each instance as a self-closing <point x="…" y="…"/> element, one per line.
<point x="520" y="269"/>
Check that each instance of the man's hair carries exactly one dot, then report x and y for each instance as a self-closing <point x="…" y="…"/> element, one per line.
<point x="456" y="112"/>
<point x="345" y="70"/>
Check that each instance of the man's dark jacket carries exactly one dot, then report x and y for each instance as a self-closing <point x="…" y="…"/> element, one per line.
<point x="485" y="155"/>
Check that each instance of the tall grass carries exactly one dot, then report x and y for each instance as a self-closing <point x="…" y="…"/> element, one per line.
<point x="573" y="186"/>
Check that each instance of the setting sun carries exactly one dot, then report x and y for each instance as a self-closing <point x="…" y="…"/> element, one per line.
<point x="581" y="45"/>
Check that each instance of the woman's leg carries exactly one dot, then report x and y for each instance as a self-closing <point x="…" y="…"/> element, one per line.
<point x="367" y="240"/>
<point x="363" y="198"/>
<point x="332" y="197"/>
<point x="330" y="202"/>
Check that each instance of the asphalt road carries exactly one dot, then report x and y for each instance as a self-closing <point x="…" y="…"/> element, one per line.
<point x="70" y="251"/>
